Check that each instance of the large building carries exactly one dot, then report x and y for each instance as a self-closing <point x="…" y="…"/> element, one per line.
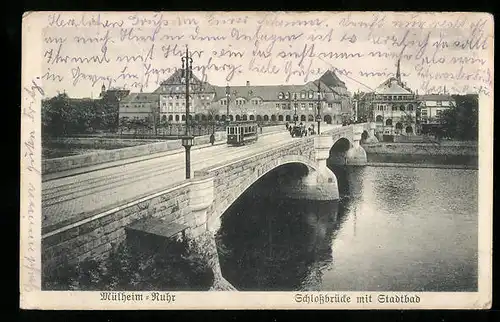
<point x="275" y="103"/>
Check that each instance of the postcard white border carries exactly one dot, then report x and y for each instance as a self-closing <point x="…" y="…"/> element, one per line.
<point x="30" y="244"/>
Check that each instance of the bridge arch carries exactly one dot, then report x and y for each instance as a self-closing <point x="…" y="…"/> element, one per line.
<point x="364" y="136"/>
<point x="260" y="171"/>
<point x="338" y="151"/>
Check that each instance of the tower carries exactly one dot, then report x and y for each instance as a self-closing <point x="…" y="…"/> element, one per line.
<point x="103" y="90"/>
<point x="398" y="71"/>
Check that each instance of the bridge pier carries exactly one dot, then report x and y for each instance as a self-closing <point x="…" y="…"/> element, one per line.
<point x="318" y="184"/>
<point x="200" y="236"/>
<point x="371" y="134"/>
<point x="356" y="155"/>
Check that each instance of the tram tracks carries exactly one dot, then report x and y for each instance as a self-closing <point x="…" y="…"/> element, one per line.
<point x="143" y="172"/>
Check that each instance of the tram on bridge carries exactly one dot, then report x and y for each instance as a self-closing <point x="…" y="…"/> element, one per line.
<point x="242" y="132"/>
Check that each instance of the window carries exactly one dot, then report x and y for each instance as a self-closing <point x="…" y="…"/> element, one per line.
<point x="311" y="94"/>
<point x="303" y="105"/>
<point x="330" y="105"/>
<point x="302" y="95"/>
<point x="283" y="106"/>
<point x="394" y="108"/>
<point x="311" y="106"/>
<point x="439" y="103"/>
<point x="164" y="104"/>
<point x="277" y="105"/>
<point x="287" y="95"/>
<point x="280" y="96"/>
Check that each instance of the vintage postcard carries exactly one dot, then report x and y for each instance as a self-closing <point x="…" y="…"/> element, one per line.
<point x="256" y="160"/>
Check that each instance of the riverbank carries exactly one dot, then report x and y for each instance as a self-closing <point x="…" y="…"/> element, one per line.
<point x="462" y="148"/>
<point x="422" y="165"/>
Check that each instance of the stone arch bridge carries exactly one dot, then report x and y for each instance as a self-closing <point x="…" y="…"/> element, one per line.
<point x="193" y="207"/>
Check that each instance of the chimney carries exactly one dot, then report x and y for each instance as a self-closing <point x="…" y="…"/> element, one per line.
<point x="248" y="83"/>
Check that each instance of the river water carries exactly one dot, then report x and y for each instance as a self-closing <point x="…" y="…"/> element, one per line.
<point x="394" y="229"/>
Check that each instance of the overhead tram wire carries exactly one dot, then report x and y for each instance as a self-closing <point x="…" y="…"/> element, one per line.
<point x="351" y="78"/>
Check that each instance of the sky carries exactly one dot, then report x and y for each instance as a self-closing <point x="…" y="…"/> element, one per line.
<point x="79" y="52"/>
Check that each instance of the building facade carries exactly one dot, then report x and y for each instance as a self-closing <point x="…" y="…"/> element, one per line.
<point x="432" y="105"/>
<point x="393" y="106"/>
<point x="139" y="106"/>
<point x="276" y="103"/>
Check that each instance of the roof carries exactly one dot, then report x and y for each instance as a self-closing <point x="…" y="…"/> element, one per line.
<point x="435" y="97"/>
<point x="329" y="82"/>
<point x="140" y="98"/>
<point x="392" y="87"/>
<point x="331" y="79"/>
<point x="268" y="92"/>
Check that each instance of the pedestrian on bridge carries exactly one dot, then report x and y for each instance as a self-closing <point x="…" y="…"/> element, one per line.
<point x="212" y="138"/>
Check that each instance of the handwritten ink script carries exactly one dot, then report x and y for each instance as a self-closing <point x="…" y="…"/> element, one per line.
<point x="140" y="50"/>
<point x="32" y="93"/>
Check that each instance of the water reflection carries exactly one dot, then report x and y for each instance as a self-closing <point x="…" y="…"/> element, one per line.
<point x="394" y="229"/>
<point x="279" y="247"/>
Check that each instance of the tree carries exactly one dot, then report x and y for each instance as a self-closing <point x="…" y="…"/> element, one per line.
<point x="211" y="113"/>
<point x="124" y="124"/>
<point x="461" y="121"/>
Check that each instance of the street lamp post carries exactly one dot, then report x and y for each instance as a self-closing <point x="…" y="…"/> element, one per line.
<point x="228" y="98"/>
<point x="295" y="116"/>
<point x="318" y="116"/>
<point x="187" y="139"/>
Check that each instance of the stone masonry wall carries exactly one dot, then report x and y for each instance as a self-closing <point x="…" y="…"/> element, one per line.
<point x="96" y="237"/>
<point x="444" y="148"/>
